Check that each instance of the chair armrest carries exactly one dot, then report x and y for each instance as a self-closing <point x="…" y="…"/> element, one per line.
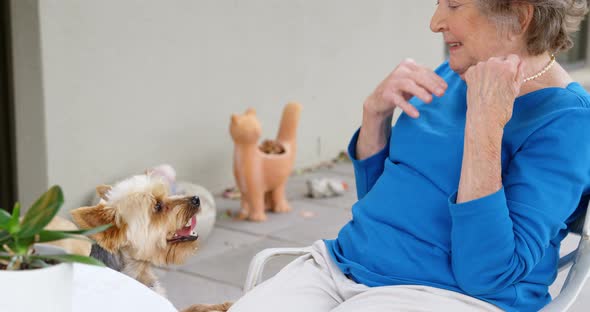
<point x="566" y="261"/>
<point x="578" y="275"/>
<point x="260" y="259"/>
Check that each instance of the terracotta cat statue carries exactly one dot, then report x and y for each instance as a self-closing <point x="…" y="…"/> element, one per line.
<point x="262" y="176"/>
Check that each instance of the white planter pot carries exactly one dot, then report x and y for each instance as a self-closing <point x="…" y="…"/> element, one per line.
<point x="48" y="289"/>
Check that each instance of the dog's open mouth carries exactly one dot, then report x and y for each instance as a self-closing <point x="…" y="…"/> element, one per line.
<point x="187" y="233"/>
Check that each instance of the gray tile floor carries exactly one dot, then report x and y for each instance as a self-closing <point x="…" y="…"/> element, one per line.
<point x="218" y="270"/>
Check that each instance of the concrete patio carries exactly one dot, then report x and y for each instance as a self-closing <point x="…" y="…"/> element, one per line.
<point x="218" y="270"/>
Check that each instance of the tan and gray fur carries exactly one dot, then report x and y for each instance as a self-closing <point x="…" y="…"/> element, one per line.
<point x="145" y="221"/>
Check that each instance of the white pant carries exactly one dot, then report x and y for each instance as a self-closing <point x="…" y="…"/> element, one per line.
<point x="314" y="283"/>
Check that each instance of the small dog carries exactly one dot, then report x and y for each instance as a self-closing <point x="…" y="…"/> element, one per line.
<point x="149" y="227"/>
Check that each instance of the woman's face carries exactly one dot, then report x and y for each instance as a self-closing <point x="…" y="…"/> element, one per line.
<point x="469" y="35"/>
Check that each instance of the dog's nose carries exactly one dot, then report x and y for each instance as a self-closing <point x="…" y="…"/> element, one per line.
<point x="195" y="201"/>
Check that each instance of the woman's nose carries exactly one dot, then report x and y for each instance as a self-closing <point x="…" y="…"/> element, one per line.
<point x="437" y="21"/>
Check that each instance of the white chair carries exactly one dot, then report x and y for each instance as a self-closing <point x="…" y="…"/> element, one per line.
<point x="578" y="261"/>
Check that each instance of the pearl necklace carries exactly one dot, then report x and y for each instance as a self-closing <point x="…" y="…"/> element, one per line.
<point x="545" y="69"/>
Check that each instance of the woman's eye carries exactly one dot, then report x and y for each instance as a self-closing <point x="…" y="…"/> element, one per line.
<point x="450" y="5"/>
<point x="453" y="5"/>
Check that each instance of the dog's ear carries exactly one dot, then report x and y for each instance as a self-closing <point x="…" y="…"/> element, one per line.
<point x="250" y="111"/>
<point x="102" y="191"/>
<point x="110" y="239"/>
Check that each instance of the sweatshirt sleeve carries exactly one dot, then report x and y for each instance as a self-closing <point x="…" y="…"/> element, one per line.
<point x="368" y="170"/>
<point x="498" y="239"/>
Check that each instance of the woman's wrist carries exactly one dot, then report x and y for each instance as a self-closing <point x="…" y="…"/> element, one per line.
<point x="484" y="132"/>
<point x="372" y="112"/>
<point x="483" y="124"/>
<point x="373" y="136"/>
<point x="481" y="172"/>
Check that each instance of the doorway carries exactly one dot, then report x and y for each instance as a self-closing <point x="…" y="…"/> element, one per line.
<point x="7" y="138"/>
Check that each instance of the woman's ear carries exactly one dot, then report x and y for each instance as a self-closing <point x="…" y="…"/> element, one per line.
<point x="525" y="16"/>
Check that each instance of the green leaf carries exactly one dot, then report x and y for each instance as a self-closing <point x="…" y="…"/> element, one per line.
<point x="42" y="211"/>
<point x="5" y="237"/>
<point x="4" y="219"/>
<point x="70" y="258"/>
<point x="87" y="232"/>
<point x="49" y="236"/>
<point x="22" y="245"/>
<point x="13" y="225"/>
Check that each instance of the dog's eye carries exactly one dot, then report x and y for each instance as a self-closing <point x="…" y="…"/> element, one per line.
<point x="158" y="207"/>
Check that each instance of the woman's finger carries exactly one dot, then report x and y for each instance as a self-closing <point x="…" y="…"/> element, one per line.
<point x="411" y="87"/>
<point x="423" y="75"/>
<point x="430" y="81"/>
<point x="400" y="102"/>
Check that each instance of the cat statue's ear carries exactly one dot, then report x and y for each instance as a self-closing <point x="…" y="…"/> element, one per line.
<point x="250" y="111"/>
<point x="234" y="118"/>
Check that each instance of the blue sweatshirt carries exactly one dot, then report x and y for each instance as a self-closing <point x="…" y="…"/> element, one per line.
<point x="407" y="228"/>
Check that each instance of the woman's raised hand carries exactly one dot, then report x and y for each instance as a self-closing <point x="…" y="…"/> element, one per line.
<point x="492" y="87"/>
<point x="408" y="79"/>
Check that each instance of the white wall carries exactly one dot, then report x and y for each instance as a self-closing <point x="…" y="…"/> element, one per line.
<point x="31" y="149"/>
<point x="130" y="84"/>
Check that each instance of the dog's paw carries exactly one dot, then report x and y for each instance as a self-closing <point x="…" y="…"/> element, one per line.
<point x="208" y="307"/>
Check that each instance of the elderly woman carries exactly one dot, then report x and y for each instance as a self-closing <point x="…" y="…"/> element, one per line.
<point x="464" y="202"/>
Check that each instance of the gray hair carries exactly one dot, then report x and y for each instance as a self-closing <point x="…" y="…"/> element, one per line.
<point x="552" y="23"/>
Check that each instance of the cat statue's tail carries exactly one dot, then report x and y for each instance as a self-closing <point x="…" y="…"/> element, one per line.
<point x="289" y="121"/>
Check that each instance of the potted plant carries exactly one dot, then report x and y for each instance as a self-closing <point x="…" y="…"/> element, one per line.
<point x="34" y="276"/>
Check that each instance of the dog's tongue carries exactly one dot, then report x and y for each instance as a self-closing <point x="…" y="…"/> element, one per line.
<point x="186" y="231"/>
